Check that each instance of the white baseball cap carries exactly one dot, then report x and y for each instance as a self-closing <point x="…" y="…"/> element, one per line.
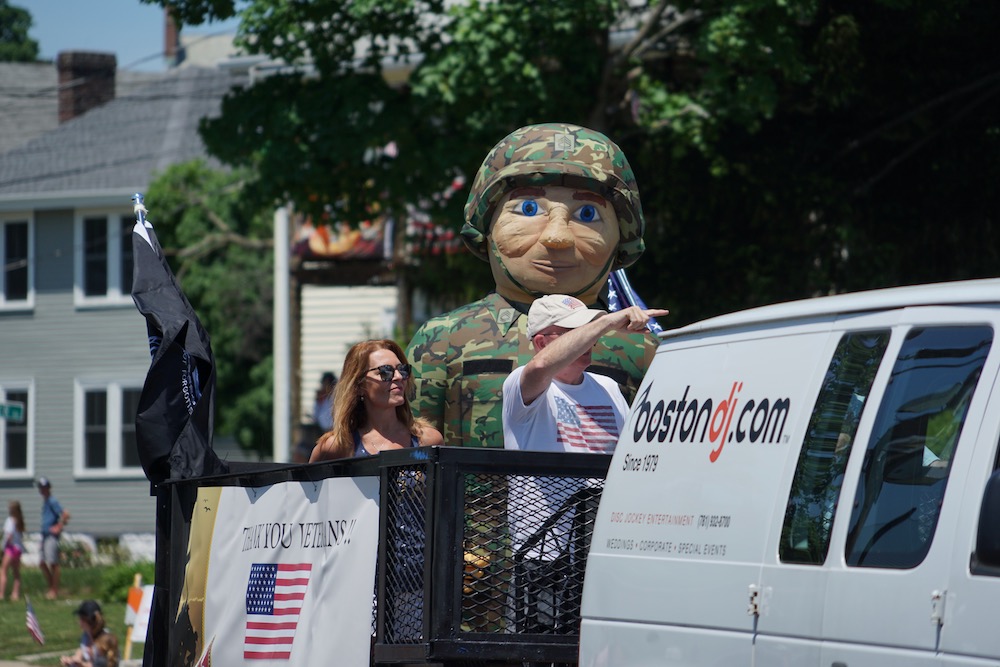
<point x="561" y="311"/>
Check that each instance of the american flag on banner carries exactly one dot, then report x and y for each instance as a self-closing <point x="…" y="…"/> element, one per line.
<point x="31" y="621"/>
<point x="590" y="427"/>
<point x="275" y="593"/>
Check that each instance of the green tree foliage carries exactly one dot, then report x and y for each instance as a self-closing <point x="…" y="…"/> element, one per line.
<point x="221" y="250"/>
<point x="784" y="148"/>
<point x="15" y="45"/>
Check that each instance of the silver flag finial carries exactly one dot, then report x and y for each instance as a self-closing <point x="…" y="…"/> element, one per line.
<point x="139" y="208"/>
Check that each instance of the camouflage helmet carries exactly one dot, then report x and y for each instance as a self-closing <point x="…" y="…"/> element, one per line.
<point x="557" y="154"/>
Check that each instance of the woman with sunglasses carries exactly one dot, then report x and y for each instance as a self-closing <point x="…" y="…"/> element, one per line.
<point x="370" y="406"/>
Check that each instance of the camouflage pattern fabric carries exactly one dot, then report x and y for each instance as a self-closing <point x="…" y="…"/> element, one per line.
<point x="460" y="360"/>
<point x="557" y="154"/>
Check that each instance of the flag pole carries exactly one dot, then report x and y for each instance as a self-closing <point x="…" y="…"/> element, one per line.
<point x="154" y="652"/>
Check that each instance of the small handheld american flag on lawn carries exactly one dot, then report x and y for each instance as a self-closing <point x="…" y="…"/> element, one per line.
<point x="275" y="593"/>
<point x="31" y="621"/>
<point x="590" y="427"/>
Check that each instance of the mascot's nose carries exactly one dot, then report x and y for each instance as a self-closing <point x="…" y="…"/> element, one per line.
<point x="557" y="234"/>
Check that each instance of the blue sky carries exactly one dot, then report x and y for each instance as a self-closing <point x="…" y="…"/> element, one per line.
<point x="133" y="31"/>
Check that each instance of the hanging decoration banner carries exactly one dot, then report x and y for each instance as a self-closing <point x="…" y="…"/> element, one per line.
<point x="286" y="572"/>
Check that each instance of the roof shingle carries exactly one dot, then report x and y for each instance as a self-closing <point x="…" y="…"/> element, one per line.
<point x="123" y="143"/>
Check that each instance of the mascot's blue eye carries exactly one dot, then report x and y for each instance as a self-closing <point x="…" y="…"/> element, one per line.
<point x="588" y="213"/>
<point x="529" y="207"/>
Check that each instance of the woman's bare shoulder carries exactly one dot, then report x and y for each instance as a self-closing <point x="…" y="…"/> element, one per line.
<point x="325" y="449"/>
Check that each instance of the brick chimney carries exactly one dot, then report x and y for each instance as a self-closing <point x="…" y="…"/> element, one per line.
<point x="86" y="80"/>
<point x="171" y="38"/>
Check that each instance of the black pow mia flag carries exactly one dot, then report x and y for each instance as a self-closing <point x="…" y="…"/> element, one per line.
<point x="176" y="414"/>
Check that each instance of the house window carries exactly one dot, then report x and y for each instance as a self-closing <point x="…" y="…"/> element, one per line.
<point x="104" y="259"/>
<point x="130" y="405"/>
<point x="125" y="245"/>
<point x="107" y="442"/>
<point x="14" y="441"/>
<point x="15" y="248"/>
<point x="95" y="430"/>
<point x="95" y="256"/>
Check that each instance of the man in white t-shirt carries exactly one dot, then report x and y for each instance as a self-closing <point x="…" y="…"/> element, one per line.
<point x="553" y="404"/>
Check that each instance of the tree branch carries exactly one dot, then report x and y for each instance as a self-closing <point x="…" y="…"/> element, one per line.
<point x="899" y="159"/>
<point x="214" y="241"/>
<point x="636" y="47"/>
<point x="929" y="104"/>
<point x="679" y="22"/>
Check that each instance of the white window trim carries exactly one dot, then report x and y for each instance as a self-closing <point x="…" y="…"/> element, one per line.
<point x="114" y="295"/>
<point x="114" y="467"/>
<point x="29" y="303"/>
<point x="29" y="387"/>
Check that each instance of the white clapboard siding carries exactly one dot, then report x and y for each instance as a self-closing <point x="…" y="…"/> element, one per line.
<point x="333" y="319"/>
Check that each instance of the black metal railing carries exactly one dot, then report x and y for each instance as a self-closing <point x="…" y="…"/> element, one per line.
<point x="481" y="552"/>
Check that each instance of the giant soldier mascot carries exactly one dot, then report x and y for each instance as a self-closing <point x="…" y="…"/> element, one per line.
<point x="554" y="209"/>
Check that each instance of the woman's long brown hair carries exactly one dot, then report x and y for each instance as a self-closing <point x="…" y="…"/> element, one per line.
<point x="349" y="409"/>
<point x="14" y="509"/>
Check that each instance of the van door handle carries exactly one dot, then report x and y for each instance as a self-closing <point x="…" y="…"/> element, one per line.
<point x="838" y="664"/>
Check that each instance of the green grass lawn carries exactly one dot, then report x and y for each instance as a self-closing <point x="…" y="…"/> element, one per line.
<point x="56" y="618"/>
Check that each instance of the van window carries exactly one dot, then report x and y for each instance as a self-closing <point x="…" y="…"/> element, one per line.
<point x="909" y="455"/>
<point x="812" y="501"/>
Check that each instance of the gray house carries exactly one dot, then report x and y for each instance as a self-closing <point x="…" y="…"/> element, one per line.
<point x="72" y="345"/>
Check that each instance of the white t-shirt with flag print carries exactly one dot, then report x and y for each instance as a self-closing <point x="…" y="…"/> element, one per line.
<point x="581" y="418"/>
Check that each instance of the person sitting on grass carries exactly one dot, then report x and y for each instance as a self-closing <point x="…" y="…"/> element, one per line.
<point x="98" y="645"/>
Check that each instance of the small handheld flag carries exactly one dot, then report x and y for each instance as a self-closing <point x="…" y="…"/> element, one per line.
<point x="31" y="621"/>
<point x="621" y="295"/>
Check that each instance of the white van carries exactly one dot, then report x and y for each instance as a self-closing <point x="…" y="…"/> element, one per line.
<point x="810" y="483"/>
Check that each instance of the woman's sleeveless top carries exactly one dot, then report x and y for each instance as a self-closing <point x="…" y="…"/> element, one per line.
<point x="359" y="448"/>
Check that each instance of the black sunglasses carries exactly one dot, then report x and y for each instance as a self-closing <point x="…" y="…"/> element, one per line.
<point x="385" y="371"/>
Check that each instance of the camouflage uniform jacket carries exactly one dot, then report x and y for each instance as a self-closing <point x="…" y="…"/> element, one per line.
<point x="460" y="360"/>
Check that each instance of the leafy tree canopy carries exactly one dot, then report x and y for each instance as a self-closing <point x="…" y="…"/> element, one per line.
<point x="784" y="148"/>
<point x="221" y="251"/>
<point x="15" y="45"/>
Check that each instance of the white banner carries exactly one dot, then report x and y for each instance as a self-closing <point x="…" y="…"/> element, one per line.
<point x="291" y="573"/>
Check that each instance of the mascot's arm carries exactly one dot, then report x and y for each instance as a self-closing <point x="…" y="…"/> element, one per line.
<point x="427" y="354"/>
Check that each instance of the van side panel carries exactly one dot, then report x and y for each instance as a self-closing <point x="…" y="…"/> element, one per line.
<point x="616" y="644"/>
<point x="725" y="416"/>
<point x="793" y="581"/>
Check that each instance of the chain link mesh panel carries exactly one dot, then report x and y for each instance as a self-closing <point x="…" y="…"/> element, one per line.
<point x="525" y="545"/>
<point x="484" y="555"/>
<point x="406" y="509"/>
